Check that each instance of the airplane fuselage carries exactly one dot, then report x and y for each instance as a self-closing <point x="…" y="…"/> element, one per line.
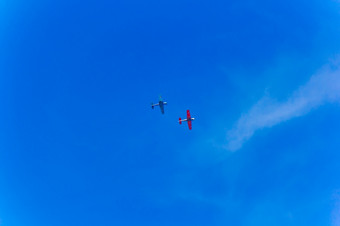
<point x="188" y="120"/>
<point x="160" y="103"/>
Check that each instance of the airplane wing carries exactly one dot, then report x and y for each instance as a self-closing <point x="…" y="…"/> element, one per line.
<point x="188" y="114"/>
<point x="190" y="125"/>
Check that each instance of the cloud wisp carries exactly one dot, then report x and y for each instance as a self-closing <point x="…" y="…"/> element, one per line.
<point x="335" y="216"/>
<point x="323" y="87"/>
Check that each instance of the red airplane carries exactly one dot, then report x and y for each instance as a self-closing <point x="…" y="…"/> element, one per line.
<point x="188" y="119"/>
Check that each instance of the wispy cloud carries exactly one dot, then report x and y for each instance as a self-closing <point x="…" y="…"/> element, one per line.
<point x="336" y="210"/>
<point x="323" y="87"/>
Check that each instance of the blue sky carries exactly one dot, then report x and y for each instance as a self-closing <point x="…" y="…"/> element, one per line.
<point x="80" y="144"/>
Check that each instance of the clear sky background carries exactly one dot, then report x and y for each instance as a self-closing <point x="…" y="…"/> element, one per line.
<point x="80" y="144"/>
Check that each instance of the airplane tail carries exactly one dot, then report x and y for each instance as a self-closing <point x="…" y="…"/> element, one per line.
<point x="180" y="121"/>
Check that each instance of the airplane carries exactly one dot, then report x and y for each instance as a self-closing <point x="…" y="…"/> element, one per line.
<point x="161" y="104"/>
<point x="188" y="119"/>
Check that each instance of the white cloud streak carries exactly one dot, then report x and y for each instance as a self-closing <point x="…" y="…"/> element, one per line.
<point x="336" y="211"/>
<point x="323" y="87"/>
